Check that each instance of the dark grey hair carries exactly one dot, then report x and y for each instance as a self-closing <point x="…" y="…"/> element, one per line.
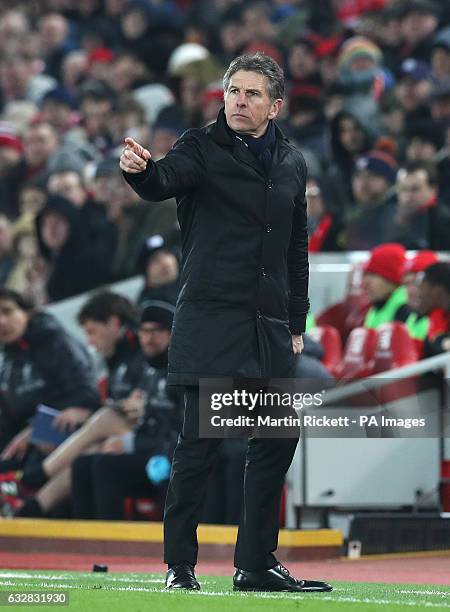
<point x="262" y="63"/>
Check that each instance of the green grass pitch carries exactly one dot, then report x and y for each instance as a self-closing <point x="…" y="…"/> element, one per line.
<point x="113" y="592"/>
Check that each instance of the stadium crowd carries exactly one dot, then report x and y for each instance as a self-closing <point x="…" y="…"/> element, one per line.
<point x="368" y="103"/>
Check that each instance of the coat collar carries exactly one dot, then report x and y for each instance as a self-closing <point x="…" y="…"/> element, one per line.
<point x="222" y="134"/>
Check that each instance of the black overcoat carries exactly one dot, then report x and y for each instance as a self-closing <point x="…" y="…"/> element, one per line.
<point x="244" y="276"/>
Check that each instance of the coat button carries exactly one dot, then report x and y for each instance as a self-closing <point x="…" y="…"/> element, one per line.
<point x="268" y="229"/>
<point x="269" y="185"/>
<point x="263" y="272"/>
<point x="258" y="314"/>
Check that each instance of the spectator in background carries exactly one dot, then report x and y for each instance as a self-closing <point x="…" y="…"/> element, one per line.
<point x="161" y="269"/>
<point x="302" y="63"/>
<point x="97" y="104"/>
<point x="440" y="104"/>
<point x="64" y="247"/>
<point x="413" y="91"/>
<point x="419" y="221"/>
<point x="28" y="273"/>
<point x="129" y="222"/>
<point x="417" y="323"/>
<point x="424" y="142"/>
<point x="434" y="301"/>
<point x="440" y="56"/>
<point x="306" y="121"/>
<point x="18" y="77"/>
<point x="419" y="21"/>
<point x="97" y="229"/>
<point x="58" y="108"/>
<point x="54" y="34"/>
<point x="373" y="193"/>
<point x="323" y="226"/>
<point x="350" y="137"/>
<point x="41" y="364"/>
<point x="382" y="281"/>
<point x="40" y="143"/>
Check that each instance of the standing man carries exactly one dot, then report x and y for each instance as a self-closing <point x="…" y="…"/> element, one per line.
<point x="240" y="188"/>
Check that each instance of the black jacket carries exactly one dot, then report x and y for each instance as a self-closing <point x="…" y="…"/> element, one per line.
<point x="47" y="366"/>
<point x="244" y="277"/>
<point x="127" y="368"/>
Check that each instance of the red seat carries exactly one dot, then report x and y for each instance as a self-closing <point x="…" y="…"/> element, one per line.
<point x="330" y="339"/>
<point x="357" y="361"/>
<point x="394" y="349"/>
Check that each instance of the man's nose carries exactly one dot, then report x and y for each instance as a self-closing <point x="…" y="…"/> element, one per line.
<point x="241" y="100"/>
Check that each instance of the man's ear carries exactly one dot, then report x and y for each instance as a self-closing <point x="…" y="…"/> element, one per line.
<point x="114" y="322"/>
<point x="276" y="107"/>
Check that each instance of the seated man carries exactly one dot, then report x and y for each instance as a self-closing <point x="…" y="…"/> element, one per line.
<point x="382" y="281"/>
<point x="418" y="324"/>
<point x="434" y="300"/>
<point x="41" y="363"/>
<point x="142" y="426"/>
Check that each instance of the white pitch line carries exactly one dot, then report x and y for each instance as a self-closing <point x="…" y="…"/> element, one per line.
<point x="433" y="593"/>
<point x="345" y="599"/>
<point x="92" y="576"/>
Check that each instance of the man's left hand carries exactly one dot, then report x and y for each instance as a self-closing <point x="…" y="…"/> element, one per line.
<point x="70" y="418"/>
<point x="297" y="344"/>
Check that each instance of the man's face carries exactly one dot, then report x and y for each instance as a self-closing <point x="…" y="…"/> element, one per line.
<point x="368" y="188"/>
<point x="302" y="61"/>
<point x="377" y="287"/>
<point x="414" y="190"/>
<point x="428" y="298"/>
<point x="40" y="142"/>
<point x="412" y="289"/>
<point x="411" y="93"/>
<point x="153" y="338"/>
<point x="68" y="184"/>
<point x="103" y="336"/>
<point x="13" y="321"/>
<point x="162" y="268"/>
<point x="55" y="230"/>
<point x="440" y="108"/>
<point x="420" y="150"/>
<point x="248" y="107"/>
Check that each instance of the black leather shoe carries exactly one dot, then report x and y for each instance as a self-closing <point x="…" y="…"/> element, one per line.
<point x="276" y="579"/>
<point x="182" y="576"/>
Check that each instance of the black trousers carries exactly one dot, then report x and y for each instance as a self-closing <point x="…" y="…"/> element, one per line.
<point x="267" y="462"/>
<point x="101" y="482"/>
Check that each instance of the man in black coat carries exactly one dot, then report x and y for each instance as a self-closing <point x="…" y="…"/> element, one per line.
<point x="240" y="189"/>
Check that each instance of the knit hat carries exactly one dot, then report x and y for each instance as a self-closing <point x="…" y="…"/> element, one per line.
<point x="380" y="163"/>
<point x="358" y="47"/>
<point x="420" y="262"/>
<point x="9" y="138"/>
<point x="157" y="311"/>
<point x="388" y="261"/>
